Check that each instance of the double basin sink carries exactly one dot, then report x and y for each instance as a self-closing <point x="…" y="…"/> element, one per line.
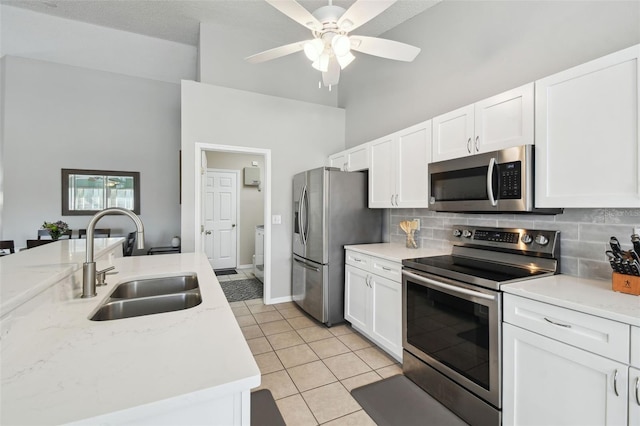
<point x="150" y="296"/>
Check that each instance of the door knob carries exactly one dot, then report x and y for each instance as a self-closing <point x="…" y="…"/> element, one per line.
<point x="233" y="225"/>
<point x="208" y="232"/>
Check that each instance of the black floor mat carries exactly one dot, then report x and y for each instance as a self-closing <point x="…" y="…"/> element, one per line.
<point x="264" y="411"/>
<point x="225" y="271"/>
<point x="239" y="290"/>
<point x="398" y="401"/>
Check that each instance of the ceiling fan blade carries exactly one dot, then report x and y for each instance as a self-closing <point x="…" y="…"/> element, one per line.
<point x="295" y="11"/>
<point x="332" y="75"/>
<point x="384" y="48"/>
<point x="361" y="12"/>
<point x="276" y="52"/>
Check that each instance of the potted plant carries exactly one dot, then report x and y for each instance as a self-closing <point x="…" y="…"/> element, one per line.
<point x="56" y="228"/>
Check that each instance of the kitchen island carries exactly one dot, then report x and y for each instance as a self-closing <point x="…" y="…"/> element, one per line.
<point x="191" y="366"/>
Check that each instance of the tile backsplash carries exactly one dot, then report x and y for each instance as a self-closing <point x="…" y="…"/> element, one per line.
<point x="584" y="234"/>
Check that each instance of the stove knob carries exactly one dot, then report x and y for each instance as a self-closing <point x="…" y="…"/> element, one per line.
<point x="526" y="238"/>
<point x="457" y="232"/>
<point x="466" y="233"/>
<point x="542" y="240"/>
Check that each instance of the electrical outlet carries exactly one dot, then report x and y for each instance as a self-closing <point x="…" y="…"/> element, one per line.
<point x="276" y="219"/>
<point x="418" y="221"/>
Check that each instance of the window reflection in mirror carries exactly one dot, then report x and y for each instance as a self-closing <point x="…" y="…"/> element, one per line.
<point x="85" y="192"/>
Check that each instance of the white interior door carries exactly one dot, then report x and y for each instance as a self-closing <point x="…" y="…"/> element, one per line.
<point x="221" y="219"/>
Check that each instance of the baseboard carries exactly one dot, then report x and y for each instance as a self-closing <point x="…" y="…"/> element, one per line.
<point x="278" y="300"/>
<point x="249" y="266"/>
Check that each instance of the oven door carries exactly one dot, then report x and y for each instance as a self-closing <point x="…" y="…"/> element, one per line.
<point x="456" y="329"/>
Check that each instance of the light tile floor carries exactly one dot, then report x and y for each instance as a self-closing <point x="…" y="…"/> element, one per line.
<point x="242" y="274"/>
<point x="310" y="369"/>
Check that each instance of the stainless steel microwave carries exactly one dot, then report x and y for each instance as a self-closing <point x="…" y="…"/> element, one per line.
<point x="498" y="181"/>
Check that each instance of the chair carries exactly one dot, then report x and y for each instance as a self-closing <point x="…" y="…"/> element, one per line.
<point x="129" y="243"/>
<point x="96" y="232"/>
<point x="45" y="233"/>
<point x="7" y="245"/>
<point x="36" y="243"/>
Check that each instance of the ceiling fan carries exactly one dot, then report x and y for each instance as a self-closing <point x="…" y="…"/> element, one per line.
<point x="331" y="45"/>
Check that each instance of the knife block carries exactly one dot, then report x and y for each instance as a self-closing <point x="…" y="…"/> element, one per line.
<point x="629" y="284"/>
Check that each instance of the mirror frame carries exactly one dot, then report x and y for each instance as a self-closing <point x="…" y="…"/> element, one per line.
<point x="65" y="189"/>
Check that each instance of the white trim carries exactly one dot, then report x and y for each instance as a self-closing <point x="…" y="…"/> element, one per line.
<point x="283" y="299"/>
<point x="244" y="267"/>
<point x="237" y="173"/>
<point x="199" y="148"/>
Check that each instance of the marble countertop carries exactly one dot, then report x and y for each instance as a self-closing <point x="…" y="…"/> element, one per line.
<point x="29" y="272"/>
<point x="57" y="366"/>
<point x="593" y="297"/>
<point x="395" y="252"/>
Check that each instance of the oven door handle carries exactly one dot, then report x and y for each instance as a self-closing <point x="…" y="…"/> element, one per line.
<point x="449" y="287"/>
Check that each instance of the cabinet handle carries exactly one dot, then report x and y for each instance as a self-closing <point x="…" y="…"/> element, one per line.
<point x="366" y="280"/>
<point x="469" y="145"/>
<point x="392" y="199"/>
<point x="557" y="323"/>
<point x="397" y="200"/>
<point x="615" y="383"/>
<point x="477" y="139"/>
<point x="638" y="390"/>
<point x="386" y="269"/>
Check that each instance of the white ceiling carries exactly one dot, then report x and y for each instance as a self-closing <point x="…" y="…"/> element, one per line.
<point x="178" y="20"/>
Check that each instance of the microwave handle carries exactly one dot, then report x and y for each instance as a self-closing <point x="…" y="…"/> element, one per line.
<point x="492" y="198"/>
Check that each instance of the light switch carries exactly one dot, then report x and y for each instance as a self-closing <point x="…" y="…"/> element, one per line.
<point x="276" y="219"/>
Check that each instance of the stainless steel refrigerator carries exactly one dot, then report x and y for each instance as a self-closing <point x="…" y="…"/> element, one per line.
<point x="330" y="211"/>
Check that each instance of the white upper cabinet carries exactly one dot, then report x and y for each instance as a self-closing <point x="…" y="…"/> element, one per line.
<point x="351" y="160"/>
<point x="498" y="122"/>
<point x="398" y="168"/>
<point x="587" y="133"/>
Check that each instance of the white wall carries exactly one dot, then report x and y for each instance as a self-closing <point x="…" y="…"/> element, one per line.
<point x="221" y="62"/>
<point x="251" y="199"/>
<point x="475" y="49"/>
<point x="300" y="136"/>
<point x="39" y="36"/>
<point x="59" y="116"/>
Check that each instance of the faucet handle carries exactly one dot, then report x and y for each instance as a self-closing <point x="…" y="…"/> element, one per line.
<point x="100" y="275"/>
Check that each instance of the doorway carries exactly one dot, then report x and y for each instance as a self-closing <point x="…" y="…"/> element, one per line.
<point x="253" y="204"/>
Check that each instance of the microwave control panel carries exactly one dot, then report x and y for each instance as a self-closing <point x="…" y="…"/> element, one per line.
<point x="510" y="180"/>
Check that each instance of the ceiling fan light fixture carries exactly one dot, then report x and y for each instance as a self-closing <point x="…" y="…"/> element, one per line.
<point x="322" y="63"/>
<point x="313" y="49"/>
<point x="345" y="60"/>
<point x="341" y="45"/>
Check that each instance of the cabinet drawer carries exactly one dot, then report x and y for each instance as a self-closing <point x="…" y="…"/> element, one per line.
<point x="594" y="334"/>
<point x="386" y="268"/>
<point x="358" y="260"/>
<point x="635" y="346"/>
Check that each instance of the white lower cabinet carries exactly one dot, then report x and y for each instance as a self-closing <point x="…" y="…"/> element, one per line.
<point x="373" y="294"/>
<point x="556" y="381"/>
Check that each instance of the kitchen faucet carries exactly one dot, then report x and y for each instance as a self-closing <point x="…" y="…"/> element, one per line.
<point x="89" y="266"/>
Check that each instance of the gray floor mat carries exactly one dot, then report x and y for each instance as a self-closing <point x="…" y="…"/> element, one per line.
<point x="398" y="401"/>
<point x="264" y="411"/>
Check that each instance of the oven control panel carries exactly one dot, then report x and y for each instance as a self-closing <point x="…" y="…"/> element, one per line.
<point x="530" y="240"/>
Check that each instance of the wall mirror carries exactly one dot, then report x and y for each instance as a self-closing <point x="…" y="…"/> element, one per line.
<point x="85" y="192"/>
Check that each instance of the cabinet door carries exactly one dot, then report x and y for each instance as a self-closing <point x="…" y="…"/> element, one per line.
<point x="413" y="154"/>
<point x="547" y="382"/>
<point x="504" y="120"/>
<point x="338" y="160"/>
<point x="586" y="126"/>
<point x="358" y="158"/>
<point x="386" y="314"/>
<point x="453" y="134"/>
<point x="382" y="182"/>
<point x="356" y="293"/>
<point x="634" y="396"/>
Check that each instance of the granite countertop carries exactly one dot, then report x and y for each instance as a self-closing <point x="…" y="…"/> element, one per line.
<point x="395" y="252"/>
<point x="57" y="366"/>
<point x="593" y="297"/>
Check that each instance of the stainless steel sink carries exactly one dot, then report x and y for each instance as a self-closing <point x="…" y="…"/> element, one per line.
<point x="127" y="308"/>
<point x="150" y="296"/>
<point x="155" y="286"/>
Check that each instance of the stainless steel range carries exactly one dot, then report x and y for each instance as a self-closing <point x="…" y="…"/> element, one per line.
<point x="452" y="314"/>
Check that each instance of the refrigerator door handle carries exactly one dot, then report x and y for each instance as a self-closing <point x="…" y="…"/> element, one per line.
<point x="306" y="265"/>
<point x="304" y="227"/>
<point x="300" y="222"/>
